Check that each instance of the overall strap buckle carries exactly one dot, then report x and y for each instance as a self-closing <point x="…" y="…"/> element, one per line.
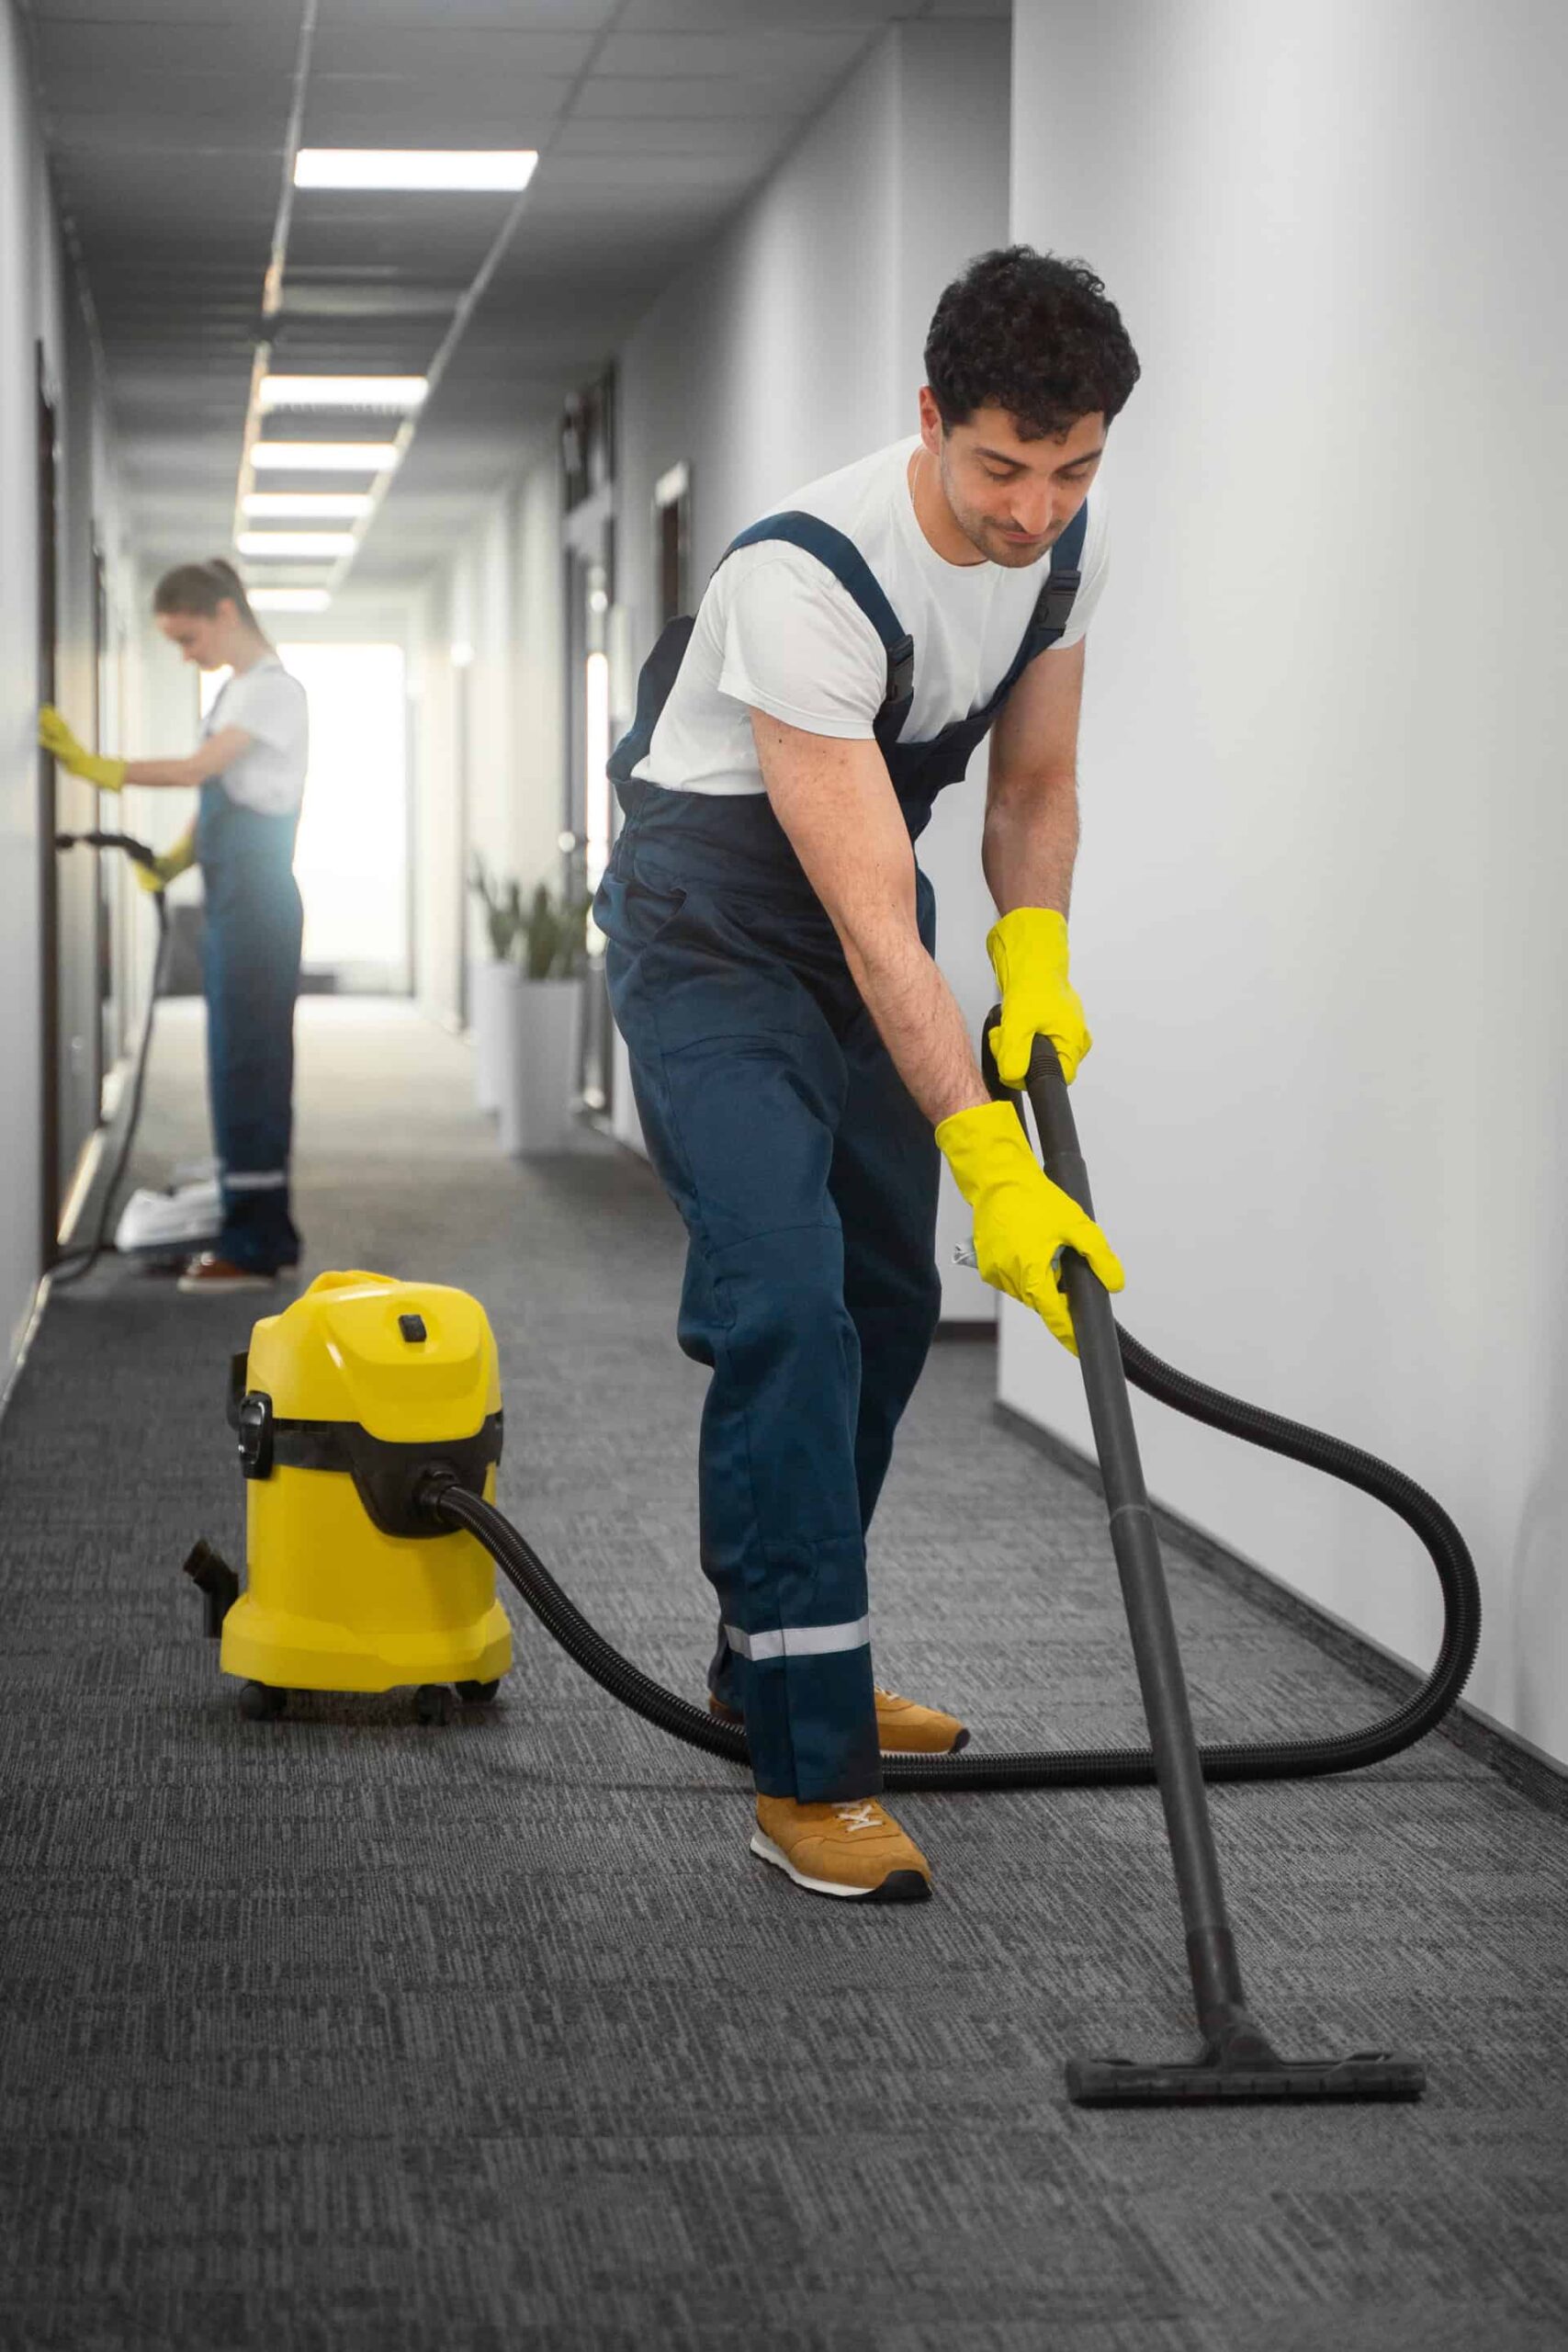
<point x="1054" y="605"/>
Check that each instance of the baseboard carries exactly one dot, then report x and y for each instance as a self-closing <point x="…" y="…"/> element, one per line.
<point x="22" y="1338"/>
<point x="1527" y="1770"/>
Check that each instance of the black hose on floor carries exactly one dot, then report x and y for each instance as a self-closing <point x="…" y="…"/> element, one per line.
<point x="454" y="1506"/>
<point x="70" y="1265"/>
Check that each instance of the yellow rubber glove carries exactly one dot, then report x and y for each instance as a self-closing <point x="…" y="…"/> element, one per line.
<point x="56" y="738"/>
<point x="1023" y="1221"/>
<point x="1029" y="955"/>
<point x="169" y="866"/>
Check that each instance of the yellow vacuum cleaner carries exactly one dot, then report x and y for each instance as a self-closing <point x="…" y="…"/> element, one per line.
<point x="341" y="1405"/>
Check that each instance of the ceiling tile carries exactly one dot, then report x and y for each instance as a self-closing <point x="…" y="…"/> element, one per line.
<point x="609" y="97"/>
<point x="793" y="50"/>
<point x="441" y="46"/>
<point x="504" y="16"/>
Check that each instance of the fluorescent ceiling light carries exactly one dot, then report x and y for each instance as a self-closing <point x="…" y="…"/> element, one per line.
<point x="288" y="600"/>
<point x="505" y="170"/>
<point x="317" y="505"/>
<point x="323" y="456"/>
<point x="342" y="391"/>
<point x="254" y="543"/>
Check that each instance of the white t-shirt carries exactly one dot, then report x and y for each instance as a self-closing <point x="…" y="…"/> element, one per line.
<point x="775" y="631"/>
<point x="271" y="706"/>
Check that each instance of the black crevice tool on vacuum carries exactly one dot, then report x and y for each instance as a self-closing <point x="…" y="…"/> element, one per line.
<point x="1236" y="2060"/>
<point x="215" y="1582"/>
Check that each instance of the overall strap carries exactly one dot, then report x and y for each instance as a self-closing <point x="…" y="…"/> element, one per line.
<point x="653" y="685"/>
<point x="855" y="576"/>
<point x="1054" y="605"/>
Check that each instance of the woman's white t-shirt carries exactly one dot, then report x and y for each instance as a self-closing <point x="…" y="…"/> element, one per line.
<point x="269" y="776"/>
<point x="775" y="631"/>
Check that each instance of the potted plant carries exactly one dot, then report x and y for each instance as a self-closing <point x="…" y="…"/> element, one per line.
<point x="491" y="978"/>
<point x="543" y="1014"/>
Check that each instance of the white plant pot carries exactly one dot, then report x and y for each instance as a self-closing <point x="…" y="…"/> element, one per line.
<point x="489" y="979"/>
<point x="539" y="1064"/>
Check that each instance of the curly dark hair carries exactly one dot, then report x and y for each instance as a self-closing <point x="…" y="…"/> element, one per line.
<point x="1034" y="334"/>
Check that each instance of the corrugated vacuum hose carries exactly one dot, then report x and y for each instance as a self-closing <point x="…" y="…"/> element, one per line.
<point x="1237" y="2060"/>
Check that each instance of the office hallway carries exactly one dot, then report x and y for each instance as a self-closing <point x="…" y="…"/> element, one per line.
<point x="343" y="2033"/>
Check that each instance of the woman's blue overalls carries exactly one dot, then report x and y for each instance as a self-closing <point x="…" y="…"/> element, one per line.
<point x="807" y="1178"/>
<point x="251" y="975"/>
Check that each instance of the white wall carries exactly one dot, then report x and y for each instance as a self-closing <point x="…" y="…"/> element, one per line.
<point x="1318" y="927"/>
<point x="491" y="734"/>
<point x="795" y="345"/>
<point x="36" y="303"/>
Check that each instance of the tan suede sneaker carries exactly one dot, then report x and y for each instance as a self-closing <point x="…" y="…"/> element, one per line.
<point x="902" y="1727"/>
<point x="852" y="1848"/>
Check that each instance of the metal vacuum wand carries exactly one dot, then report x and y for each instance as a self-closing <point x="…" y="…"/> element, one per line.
<point x="1238" y="2060"/>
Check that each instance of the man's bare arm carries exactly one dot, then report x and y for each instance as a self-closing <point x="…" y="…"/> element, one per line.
<point x="1031" y="840"/>
<point x="836" y="802"/>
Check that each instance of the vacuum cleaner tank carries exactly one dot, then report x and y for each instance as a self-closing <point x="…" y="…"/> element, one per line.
<point x="356" y="1386"/>
<point x="406" y="1360"/>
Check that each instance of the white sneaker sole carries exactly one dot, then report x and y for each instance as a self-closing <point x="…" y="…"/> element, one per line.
<point x="900" y="1886"/>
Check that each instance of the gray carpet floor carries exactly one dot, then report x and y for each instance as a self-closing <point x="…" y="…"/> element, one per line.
<point x="345" y="2034"/>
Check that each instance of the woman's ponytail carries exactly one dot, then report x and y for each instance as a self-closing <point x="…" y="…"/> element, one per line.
<point x="200" y="588"/>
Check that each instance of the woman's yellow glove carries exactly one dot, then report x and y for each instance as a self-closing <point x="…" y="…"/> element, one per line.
<point x="1029" y="955"/>
<point x="1023" y="1221"/>
<point x="57" y="738"/>
<point x="169" y="866"/>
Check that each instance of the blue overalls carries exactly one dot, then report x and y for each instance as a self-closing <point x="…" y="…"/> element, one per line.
<point x="807" y="1177"/>
<point x="250" y="974"/>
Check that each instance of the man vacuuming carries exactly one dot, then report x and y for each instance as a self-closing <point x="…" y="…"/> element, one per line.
<point x="798" y="1060"/>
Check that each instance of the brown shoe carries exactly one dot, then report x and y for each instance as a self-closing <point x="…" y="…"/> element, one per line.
<point x="211" y="1272"/>
<point x="902" y="1727"/>
<point x="852" y="1848"/>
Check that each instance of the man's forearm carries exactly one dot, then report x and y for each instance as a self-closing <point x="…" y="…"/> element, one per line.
<point x="1030" y="845"/>
<point x="918" y="1020"/>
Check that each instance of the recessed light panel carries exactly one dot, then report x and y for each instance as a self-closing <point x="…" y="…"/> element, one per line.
<point x="314" y="505"/>
<point x="501" y="170"/>
<point x="322" y="543"/>
<point x="397" y="393"/>
<point x="323" y="456"/>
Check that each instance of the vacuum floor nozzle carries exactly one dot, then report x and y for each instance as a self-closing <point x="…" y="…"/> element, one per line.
<point x="1121" y="2082"/>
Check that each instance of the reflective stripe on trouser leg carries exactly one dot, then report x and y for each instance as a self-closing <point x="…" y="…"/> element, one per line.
<point x="798" y="1641"/>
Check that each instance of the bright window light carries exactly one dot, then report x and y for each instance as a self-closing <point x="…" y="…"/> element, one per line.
<point x="254" y="543"/>
<point x="343" y="391"/>
<point x="322" y="505"/>
<point x="505" y="170"/>
<point x="323" y="456"/>
<point x="288" y="600"/>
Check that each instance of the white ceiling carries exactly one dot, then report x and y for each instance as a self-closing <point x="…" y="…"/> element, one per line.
<point x="167" y="120"/>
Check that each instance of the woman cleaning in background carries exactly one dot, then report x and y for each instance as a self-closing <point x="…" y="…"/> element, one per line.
<point x="250" y="766"/>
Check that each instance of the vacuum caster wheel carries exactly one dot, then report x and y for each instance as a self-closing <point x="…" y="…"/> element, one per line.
<point x="261" y="1702"/>
<point x="476" y="1694"/>
<point x="432" y="1703"/>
